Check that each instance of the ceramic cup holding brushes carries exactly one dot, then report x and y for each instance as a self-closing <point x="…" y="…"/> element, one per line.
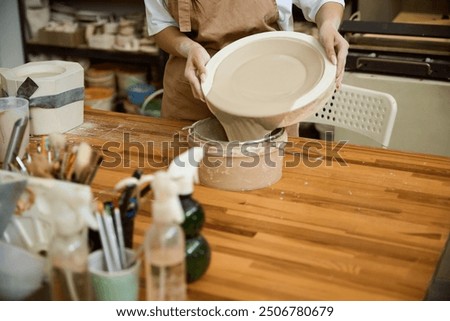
<point x="114" y="269"/>
<point x="122" y="285"/>
<point x="14" y="129"/>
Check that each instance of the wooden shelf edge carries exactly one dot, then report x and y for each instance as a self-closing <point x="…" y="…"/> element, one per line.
<point x="86" y="52"/>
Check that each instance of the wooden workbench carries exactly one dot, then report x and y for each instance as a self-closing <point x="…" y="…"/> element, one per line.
<point x="372" y="228"/>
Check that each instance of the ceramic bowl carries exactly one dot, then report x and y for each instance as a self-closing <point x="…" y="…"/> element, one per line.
<point x="279" y="78"/>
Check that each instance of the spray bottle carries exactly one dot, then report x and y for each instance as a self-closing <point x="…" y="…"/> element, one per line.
<point x="164" y="244"/>
<point x="184" y="171"/>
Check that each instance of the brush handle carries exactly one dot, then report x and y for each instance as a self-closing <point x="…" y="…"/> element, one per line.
<point x="93" y="171"/>
<point x="105" y="244"/>
<point x="118" y="221"/>
<point x="112" y="239"/>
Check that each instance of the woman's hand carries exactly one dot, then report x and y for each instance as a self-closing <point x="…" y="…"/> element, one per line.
<point x="336" y="48"/>
<point x="328" y="20"/>
<point x="195" y="71"/>
<point x="172" y="41"/>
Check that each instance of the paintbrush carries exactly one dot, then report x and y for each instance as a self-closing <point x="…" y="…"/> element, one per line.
<point x="81" y="165"/>
<point x="57" y="148"/>
<point x="68" y="163"/>
<point x="57" y="144"/>
<point x="45" y="148"/>
<point x="96" y="161"/>
<point x="40" y="167"/>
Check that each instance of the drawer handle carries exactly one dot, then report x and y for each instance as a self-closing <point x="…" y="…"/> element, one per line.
<point x="386" y="64"/>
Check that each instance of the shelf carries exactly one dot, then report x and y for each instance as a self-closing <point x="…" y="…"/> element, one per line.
<point x="153" y="62"/>
<point x="86" y="52"/>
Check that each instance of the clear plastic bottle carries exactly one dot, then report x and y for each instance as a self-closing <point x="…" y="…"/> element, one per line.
<point x="165" y="269"/>
<point x="69" y="273"/>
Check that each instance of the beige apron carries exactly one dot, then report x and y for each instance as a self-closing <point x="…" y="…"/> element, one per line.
<point x="213" y="24"/>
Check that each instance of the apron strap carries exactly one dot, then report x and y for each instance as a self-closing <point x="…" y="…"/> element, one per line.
<point x="184" y="14"/>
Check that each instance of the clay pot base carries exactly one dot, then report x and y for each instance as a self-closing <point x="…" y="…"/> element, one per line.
<point x="237" y="166"/>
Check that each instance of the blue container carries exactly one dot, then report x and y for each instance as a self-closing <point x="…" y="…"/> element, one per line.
<point x="138" y="92"/>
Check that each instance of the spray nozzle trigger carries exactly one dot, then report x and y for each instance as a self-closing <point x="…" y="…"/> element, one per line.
<point x="166" y="205"/>
<point x="184" y="169"/>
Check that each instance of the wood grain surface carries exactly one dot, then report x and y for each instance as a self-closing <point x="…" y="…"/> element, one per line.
<point x="350" y="223"/>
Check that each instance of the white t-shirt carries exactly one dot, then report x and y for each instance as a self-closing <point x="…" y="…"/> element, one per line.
<point x="158" y="18"/>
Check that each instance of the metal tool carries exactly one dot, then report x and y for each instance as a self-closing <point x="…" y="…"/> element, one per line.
<point x="15" y="141"/>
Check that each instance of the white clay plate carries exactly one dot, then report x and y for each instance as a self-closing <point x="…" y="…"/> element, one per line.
<point x="268" y="74"/>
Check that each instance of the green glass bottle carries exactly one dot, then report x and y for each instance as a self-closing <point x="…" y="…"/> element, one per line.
<point x="194" y="216"/>
<point x="198" y="252"/>
<point x="198" y="257"/>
